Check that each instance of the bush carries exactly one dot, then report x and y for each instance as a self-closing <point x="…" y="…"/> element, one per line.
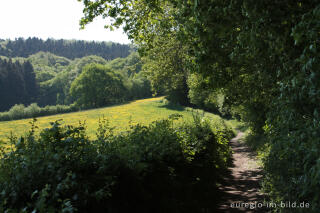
<point x="19" y="111"/>
<point x="155" y="168"/>
<point x="49" y="173"/>
<point x="4" y="116"/>
<point x="32" y="110"/>
<point x="292" y="127"/>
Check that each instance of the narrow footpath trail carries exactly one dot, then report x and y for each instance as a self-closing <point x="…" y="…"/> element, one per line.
<point x="242" y="184"/>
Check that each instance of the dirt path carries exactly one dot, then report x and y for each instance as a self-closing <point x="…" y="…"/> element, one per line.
<point x="242" y="184"/>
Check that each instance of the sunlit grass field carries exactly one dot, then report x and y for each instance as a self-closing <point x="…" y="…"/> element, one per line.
<point x="141" y="111"/>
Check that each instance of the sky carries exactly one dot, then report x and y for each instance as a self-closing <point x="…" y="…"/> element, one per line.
<point x="58" y="19"/>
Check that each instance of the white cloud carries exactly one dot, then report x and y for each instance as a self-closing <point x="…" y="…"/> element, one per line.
<point x="51" y="19"/>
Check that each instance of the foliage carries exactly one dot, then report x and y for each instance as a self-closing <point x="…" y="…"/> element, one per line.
<point x="265" y="58"/>
<point x="70" y="49"/>
<point x="139" y="87"/>
<point x="129" y="65"/>
<point x="78" y="64"/>
<point x="56" y="73"/>
<point x="294" y="130"/>
<point x="50" y="82"/>
<point x="136" y="83"/>
<point x="55" y="91"/>
<point x="148" y="168"/>
<point x="47" y="65"/>
<point x="98" y="86"/>
<point x="17" y="83"/>
<point x="55" y="65"/>
<point x="206" y="98"/>
<point x="121" y="84"/>
<point x="49" y="173"/>
<point x="165" y="67"/>
<point x="19" y="111"/>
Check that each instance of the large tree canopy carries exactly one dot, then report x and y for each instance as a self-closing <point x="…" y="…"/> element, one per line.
<point x="98" y="86"/>
<point x="165" y="67"/>
<point x="263" y="55"/>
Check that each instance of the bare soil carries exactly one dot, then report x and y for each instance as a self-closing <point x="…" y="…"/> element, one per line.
<point x="241" y="186"/>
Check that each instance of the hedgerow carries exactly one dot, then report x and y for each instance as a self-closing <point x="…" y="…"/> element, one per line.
<point x="157" y="168"/>
<point x="19" y="111"/>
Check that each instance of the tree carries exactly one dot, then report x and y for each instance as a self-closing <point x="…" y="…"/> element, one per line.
<point x="152" y="26"/>
<point x="97" y="86"/>
<point x="17" y="83"/>
<point x="137" y="84"/>
<point x="31" y="85"/>
<point x="265" y="57"/>
<point x="165" y="67"/>
<point x="70" y="49"/>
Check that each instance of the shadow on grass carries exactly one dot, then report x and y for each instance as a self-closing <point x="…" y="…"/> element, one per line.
<point x="173" y="107"/>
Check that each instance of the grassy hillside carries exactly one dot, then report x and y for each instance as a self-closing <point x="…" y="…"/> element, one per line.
<point x="142" y="111"/>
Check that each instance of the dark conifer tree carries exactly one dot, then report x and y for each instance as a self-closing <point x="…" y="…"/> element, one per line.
<point x="31" y="86"/>
<point x="17" y="84"/>
<point x="67" y="48"/>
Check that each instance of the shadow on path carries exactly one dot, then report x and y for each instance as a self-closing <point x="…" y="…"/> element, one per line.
<point x="240" y="188"/>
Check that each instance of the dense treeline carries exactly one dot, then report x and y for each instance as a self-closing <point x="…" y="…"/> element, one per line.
<point x="55" y="75"/>
<point x="46" y="79"/>
<point x="17" y="83"/>
<point x="261" y="58"/>
<point x="71" y="49"/>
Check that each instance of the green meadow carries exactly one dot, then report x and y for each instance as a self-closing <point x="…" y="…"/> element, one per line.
<point x="141" y="111"/>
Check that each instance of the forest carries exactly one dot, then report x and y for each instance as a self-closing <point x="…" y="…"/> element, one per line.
<point x="45" y="79"/>
<point x="256" y="61"/>
<point x="70" y="49"/>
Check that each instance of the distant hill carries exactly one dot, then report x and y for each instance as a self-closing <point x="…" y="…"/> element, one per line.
<point x="37" y="71"/>
<point x="70" y="49"/>
<point x="45" y="78"/>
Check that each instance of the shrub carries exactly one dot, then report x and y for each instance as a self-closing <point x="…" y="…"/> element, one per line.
<point x="19" y="111"/>
<point x="32" y="110"/>
<point x="155" y="168"/>
<point x="50" y="172"/>
<point x="4" y="116"/>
